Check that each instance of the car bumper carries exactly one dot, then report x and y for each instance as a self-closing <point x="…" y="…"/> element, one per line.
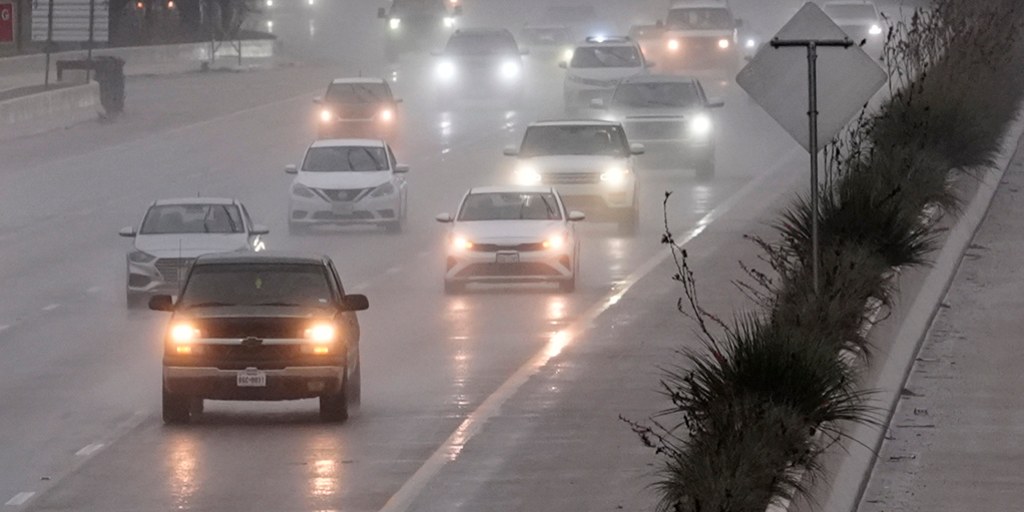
<point x="369" y="129"/>
<point x="370" y="210"/>
<point x="291" y="383"/>
<point x="532" y="266"/>
<point x="593" y="198"/>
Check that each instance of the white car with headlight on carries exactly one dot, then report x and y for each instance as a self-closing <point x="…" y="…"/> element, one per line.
<point x="176" y="231"/>
<point x="511" y="234"/>
<point x="667" y="111"/>
<point x="348" y="181"/>
<point x="590" y="162"/>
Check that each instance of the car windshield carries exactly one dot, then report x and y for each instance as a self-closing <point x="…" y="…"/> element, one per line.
<point x="345" y="159"/>
<point x="625" y="56"/>
<point x="700" y="19"/>
<point x="256" y="284"/>
<point x="510" y="206"/>
<point x="170" y="219"/>
<point x="657" y="95"/>
<point x="417" y="7"/>
<point x="357" y="93"/>
<point x="605" y="140"/>
<point x="851" y="11"/>
<point x="481" y="44"/>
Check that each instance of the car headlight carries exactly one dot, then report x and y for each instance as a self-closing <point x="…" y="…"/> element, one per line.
<point x="509" y="70"/>
<point x="460" y="243"/>
<point x="320" y="333"/>
<point x="723" y="44"/>
<point x="875" y="30"/>
<point x="615" y="177"/>
<point x="384" y="190"/>
<point x="673" y="45"/>
<point x="526" y="175"/>
<point x="700" y="125"/>
<point x="326" y="116"/>
<point x="302" y="191"/>
<point x="140" y="257"/>
<point x="184" y="333"/>
<point x="751" y="43"/>
<point x="567" y="55"/>
<point x="555" y="242"/>
<point x="446" y="70"/>
<point x="394" y="23"/>
<point x="449" y="21"/>
<point x="387" y="115"/>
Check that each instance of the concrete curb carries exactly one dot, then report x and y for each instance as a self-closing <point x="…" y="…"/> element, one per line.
<point x="49" y="110"/>
<point x="855" y="469"/>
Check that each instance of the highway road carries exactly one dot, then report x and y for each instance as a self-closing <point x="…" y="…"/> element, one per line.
<point x="80" y="425"/>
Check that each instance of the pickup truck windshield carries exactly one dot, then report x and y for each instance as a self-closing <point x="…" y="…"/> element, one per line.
<point x="256" y="284"/>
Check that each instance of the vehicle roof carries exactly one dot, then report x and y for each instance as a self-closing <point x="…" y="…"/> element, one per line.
<point x="501" y="189"/>
<point x="342" y="143"/>
<point x="358" y="80"/>
<point x="194" y="200"/>
<point x="574" y="122"/>
<point x="261" y="257"/>
<point x="657" y="79"/>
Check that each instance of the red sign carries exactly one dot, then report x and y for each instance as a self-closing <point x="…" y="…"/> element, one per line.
<point x="6" y="22"/>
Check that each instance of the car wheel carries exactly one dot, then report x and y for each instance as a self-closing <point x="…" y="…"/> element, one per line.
<point x="177" y="409"/>
<point x="453" y="287"/>
<point x="334" y="408"/>
<point x="355" y="385"/>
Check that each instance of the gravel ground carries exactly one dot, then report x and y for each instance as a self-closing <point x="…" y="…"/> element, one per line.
<point x="955" y="441"/>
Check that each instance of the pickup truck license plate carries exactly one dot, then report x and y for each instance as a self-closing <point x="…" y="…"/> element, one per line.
<point x="252" y="379"/>
<point x="504" y="258"/>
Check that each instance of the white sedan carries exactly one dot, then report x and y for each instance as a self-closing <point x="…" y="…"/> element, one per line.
<point x="511" y="234"/>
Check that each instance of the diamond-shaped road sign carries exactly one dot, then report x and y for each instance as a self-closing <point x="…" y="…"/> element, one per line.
<point x="776" y="78"/>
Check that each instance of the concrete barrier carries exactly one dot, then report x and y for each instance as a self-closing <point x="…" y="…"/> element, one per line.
<point x="26" y="70"/>
<point x="49" y="110"/>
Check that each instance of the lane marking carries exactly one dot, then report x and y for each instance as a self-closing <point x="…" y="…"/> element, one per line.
<point x="51" y="307"/>
<point x="89" y="449"/>
<point x="449" y="451"/>
<point x="20" y="499"/>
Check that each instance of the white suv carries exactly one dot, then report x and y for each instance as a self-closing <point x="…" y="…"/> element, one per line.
<point x="590" y="163"/>
<point x="596" y="67"/>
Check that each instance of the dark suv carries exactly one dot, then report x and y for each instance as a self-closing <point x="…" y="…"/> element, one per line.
<point x="261" y="327"/>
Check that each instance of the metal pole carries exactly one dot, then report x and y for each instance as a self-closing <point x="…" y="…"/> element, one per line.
<point x="812" y="94"/>
<point x="49" y="44"/>
<point x="92" y="16"/>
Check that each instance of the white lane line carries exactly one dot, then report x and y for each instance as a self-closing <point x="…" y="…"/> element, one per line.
<point x="89" y="449"/>
<point x="449" y="450"/>
<point x="20" y="499"/>
<point x="51" y="307"/>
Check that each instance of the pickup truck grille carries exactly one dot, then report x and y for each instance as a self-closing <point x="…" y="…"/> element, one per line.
<point x="262" y="328"/>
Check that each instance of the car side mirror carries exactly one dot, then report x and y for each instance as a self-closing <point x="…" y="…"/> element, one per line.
<point x="637" y="149"/>
<point x="318" y="100"/>
<point x="598" y="104"/>
<point x="382" y="13"/>
<point x="576" y="216"/>
<point x="563" y="65"/>
<point x="127" y="232"/>
<point x="291" y="169"/>
<point x="401" y="169"/>
<point x="715" y="103"/>
<point x="510" y="151"/>
<point x="259" y="229"/>
<point x="354" y="302"/>
<point x="444" y="218"/>
<point x="161" y="303"/>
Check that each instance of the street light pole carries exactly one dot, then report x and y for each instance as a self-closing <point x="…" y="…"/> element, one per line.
<point x="812" y="113"/>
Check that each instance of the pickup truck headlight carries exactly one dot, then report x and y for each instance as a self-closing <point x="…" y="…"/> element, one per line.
<point x="446" y="70"/>
<point x="394" y="23"/>
<point x="723" y="44"/>
<point x="460" y="243"/>
<point x="326" y="116"/>
<point x="555" y="242"/>
<point x="140" y="257"/>
<point x="875" y="30"/>
<point x="320" y="333"/>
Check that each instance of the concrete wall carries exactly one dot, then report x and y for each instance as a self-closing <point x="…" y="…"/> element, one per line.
<point x="49" y="110"/>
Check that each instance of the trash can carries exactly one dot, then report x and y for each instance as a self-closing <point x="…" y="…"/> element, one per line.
<point x="110" y="75"/>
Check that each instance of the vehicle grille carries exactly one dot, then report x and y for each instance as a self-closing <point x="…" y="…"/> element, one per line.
<point x="344" y="195"/>
<point x="173" y="270"/>
<point x="571" y="178"/>
<point x="263" y="328"/>
<point x="537" y="246"/>
<point x="267" y="357"/>
<point x="526" y="269"/>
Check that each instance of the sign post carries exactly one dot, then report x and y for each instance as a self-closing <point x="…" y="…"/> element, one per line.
<point x="850" y="78"/>
<point x="71" y="21"/>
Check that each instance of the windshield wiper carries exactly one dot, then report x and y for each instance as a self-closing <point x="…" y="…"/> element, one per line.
<point x="210" y="304"/>
<point x="551" y="211"/>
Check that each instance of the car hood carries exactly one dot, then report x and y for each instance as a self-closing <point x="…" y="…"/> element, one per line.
<point x="511" y="231"/>
<point x="191" y="245"/>
<point x="343" y="180"/>
<point x="574" y="163"/>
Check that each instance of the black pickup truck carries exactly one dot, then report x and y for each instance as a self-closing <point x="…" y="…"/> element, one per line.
<point x="261" y="326"/>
